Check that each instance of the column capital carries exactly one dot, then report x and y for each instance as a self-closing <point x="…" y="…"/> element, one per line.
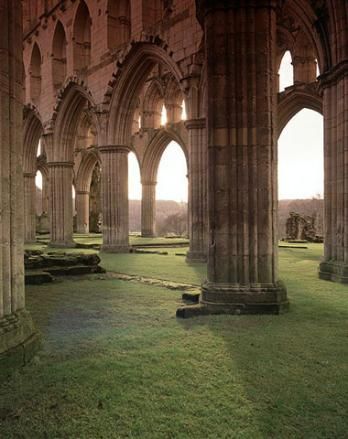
<point x="195" y="124"/>
<point x="29" y="174"/>
<point x="60" y="164"/>
<point x="334" y="75"/>
<point x="114" y="148"/>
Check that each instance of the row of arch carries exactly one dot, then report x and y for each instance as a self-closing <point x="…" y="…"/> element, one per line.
<point x="118" y="33"/>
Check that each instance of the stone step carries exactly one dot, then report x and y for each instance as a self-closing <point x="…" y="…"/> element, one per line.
<point x="37" y="277"/>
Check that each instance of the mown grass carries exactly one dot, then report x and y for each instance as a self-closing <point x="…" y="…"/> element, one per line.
<point x="116" y="362"/>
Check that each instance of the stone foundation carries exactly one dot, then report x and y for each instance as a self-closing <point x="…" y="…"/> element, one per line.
<point x="19" y="341"/>
<point x="334" y="271"/>
<point x="220" y="299"/>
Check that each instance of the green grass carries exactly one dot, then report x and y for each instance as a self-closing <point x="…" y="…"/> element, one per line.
<point x="116" y="363"/>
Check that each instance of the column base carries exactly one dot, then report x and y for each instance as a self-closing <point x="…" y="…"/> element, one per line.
<point x="148" y="235"/>
<point x="115" y="249"/>
<point x="227" y="299"/>
<point x="196" y="257"/>
<point x="19" y="342"/>
<point x="334" y="271"/>
<point x="59" y="244"/>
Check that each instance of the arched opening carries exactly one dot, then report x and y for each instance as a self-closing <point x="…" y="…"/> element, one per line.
<point x="301" y="177"/>
<point x="118" y="22"/>
<point x="172" y="192"/>
<point x="82" y="37"/>
<point x="35" y="74"/>
<point x="59" y="56"/>
<point x="286" y="72"/>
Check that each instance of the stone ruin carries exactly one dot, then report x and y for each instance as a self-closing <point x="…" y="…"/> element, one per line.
<point x="302" y="228"/>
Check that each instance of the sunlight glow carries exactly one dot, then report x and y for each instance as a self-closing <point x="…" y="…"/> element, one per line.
<point x="134" y="183"/>
<point x="286" y="72"/>
<point x="184" y="112"/>
<point x="39" y="149"/>
<point x="301" y="158"/>
<point x="38" y="180"/>
<point x="172" y="181"/>
<point x="164" y="117"/>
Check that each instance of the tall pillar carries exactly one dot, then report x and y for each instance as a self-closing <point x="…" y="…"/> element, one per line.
<point x="148" y="209"/>
<point x="18" y="337"/>
<point x="115" y="205"/>
<point x="240" y="45"/>
<point x="29" y="208"/>
<point x="61" y="204"/>
<point x="198" y="205"/>
<point x="45" y="193"/>
<point x="82" y="211"/>
<point x="335" y="89"/>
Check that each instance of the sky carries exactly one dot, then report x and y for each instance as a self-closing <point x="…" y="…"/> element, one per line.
<point x="300" y="158"/>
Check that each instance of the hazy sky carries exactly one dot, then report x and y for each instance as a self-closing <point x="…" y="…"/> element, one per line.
<point x="171" y="177"/>
<point x="300" y="158"/>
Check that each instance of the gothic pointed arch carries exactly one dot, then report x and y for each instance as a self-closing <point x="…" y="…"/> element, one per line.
<point x="32" y="132"/>
<point x="35" y="74"/>
<point x="82" y="37"/>
<point x="59" y="58"/>
<point x="73" y="101"/>
<point x="295" y="99"/>
<point x="129" y="81"/>
<point x="155" y="150"/>
<point x="85" y="172"/>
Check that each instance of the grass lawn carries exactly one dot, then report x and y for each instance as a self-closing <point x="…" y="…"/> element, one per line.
<point x="116" y="363"/>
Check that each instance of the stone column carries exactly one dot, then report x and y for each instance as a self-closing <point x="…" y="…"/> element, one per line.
<point x="240" y="51"/>
<point x="148" y="209"/>
<point x="29" y="208"/>
<point x="61" y="204"/>
<point x="335" y="89"/>
<point x="114" y="192"/>
<point x="198" y="203"/>
<point x="18" y="337"/>
<point x="82" y="211"/>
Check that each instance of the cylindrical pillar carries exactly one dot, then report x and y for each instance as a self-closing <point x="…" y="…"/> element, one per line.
<point x="335" y="88"/>
<point x="240" y="53"/>
<point x="114" y="192"/>
<point x="148" y="209"/>
<point x="82" y="211"/>
<point x="18" y="337"/>
<point x="198" y="202"/>
<point x="29" y="208"/>
<point x="61" y="204"/>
